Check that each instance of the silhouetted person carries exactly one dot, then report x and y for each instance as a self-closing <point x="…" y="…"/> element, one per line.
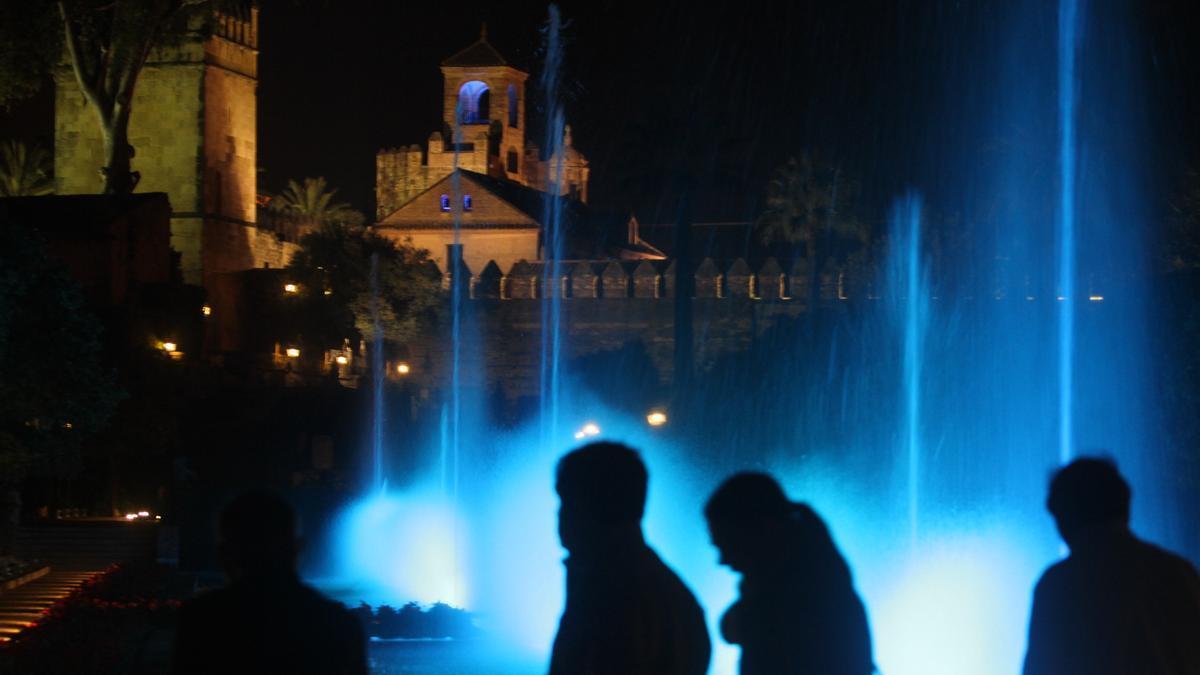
<point x="626" y="612"/>
<point x="1116" y="605"/>
<point x="798" y="612"/>
<point x="265" y="620"/>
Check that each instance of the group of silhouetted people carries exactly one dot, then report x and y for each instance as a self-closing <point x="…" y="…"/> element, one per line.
<point x="1115" y="606"/>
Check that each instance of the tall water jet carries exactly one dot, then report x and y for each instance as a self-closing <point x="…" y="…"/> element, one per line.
<point x="377" y="375"/>
<point x="910" y="288"/>
<point x="1068" y="95"/>
<point x="551" y="359"/>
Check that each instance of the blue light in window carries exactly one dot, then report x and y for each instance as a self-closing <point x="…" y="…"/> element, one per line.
<point x="466" y="202"/>
<point x="445" y="202"/>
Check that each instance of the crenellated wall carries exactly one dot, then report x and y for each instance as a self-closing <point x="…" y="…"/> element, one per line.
<point x="606" y="306"/>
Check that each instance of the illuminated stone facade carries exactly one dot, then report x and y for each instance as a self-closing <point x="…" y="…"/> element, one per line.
<point x="465" y="208"/>
<point x="483" y="131"/>
<point x="193" y="130"/>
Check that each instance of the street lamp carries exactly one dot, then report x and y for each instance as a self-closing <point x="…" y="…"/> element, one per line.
<point x="656" y="418"/>
<point x="403" y="368"/>
<point x="169" y="346"/>
<point x="291" y="288"/>
<point x="293" y="353"/>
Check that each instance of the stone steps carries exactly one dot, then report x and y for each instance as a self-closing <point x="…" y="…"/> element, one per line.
<point x="22" y="607"/>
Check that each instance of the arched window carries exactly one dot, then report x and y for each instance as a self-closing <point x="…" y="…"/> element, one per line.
<point x="467" y="202"/>
<point x="514" y="117"/>
<point x="445" y="202"/>
<point x="514" y="162"/>
<point x="473" y="102"/>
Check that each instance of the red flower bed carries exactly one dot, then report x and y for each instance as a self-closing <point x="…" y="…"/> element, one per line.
<point x="99" y="628"/>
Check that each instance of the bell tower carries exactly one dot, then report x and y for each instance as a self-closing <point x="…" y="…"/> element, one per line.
<point x="484" y="95"/>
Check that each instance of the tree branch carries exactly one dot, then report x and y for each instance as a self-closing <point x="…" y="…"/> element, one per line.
<point x="75" y="51"/>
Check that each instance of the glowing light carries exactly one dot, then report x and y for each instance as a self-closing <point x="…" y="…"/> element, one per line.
<point x="342" y="360"/>
<point x="169" y="346"/>
<point x="293" y="353"/>
<point x="589" y="429"/>
<point x="403" y="368"/>
<point x="1061" y="298"/>
<point x="1030" y="298"/>
<point x="131" y="516"/>
<point x="158" y="517"/>
<point x="328" y="291"/>
<point x="143" y="514"/>
<point x="656" y="418"/>
<point x="291" y="288"/>
<point x="68" y="425"/>
<point x="206" y="310"/>
<point x="1096" y="298"/>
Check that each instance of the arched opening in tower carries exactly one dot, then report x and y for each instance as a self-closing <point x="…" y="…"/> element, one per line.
<point x="473" y="100"/>
<point x="513" y="112"/>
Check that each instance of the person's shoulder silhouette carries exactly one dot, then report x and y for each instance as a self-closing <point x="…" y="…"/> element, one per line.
<point x="797" y="611"/>
<point x="626" y="612"/>
<point x="1116" y="605"/>
<point x="265" y="619"/>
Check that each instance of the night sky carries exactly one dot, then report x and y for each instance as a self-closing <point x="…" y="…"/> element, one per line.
<point x="667" y="93"/>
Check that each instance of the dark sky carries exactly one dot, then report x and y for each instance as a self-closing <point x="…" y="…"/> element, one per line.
<point x="904" y="93"/>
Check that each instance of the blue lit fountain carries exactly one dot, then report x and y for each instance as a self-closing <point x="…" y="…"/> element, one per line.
<point x="923" y="424"/>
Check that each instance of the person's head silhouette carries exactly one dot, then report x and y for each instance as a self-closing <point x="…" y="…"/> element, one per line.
<point x="1086" y="493"/>
<point x="257" y="536"/>
<point x="602" y="491"/>
<point x="745" y="517"/>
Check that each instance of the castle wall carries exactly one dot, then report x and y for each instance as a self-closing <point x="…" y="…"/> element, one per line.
<point x="230" y="136"/>
<point x="166" y="132"/>
<point x="504" y="336"/>
<point x="603" y="313"/>
<point x="193" y="129"/>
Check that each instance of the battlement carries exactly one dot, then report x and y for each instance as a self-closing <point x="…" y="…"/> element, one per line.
<point x="237" y="25"/>
<point x="645" y="279"/>
<point x="772" y="282"/>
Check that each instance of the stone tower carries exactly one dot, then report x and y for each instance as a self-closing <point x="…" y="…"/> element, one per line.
<point x="483" y="93"/>
<point x="193" y="130"/>
<point x="483" y="130"/>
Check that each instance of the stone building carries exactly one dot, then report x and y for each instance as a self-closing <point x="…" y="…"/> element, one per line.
<point x="193" y="130"/>
<point x="470" y="169"/>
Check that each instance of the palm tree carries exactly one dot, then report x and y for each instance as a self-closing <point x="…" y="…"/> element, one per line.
<point x="24" y="170"/>
<point x="807" y="203"/>
<point x="308" y="206"/>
